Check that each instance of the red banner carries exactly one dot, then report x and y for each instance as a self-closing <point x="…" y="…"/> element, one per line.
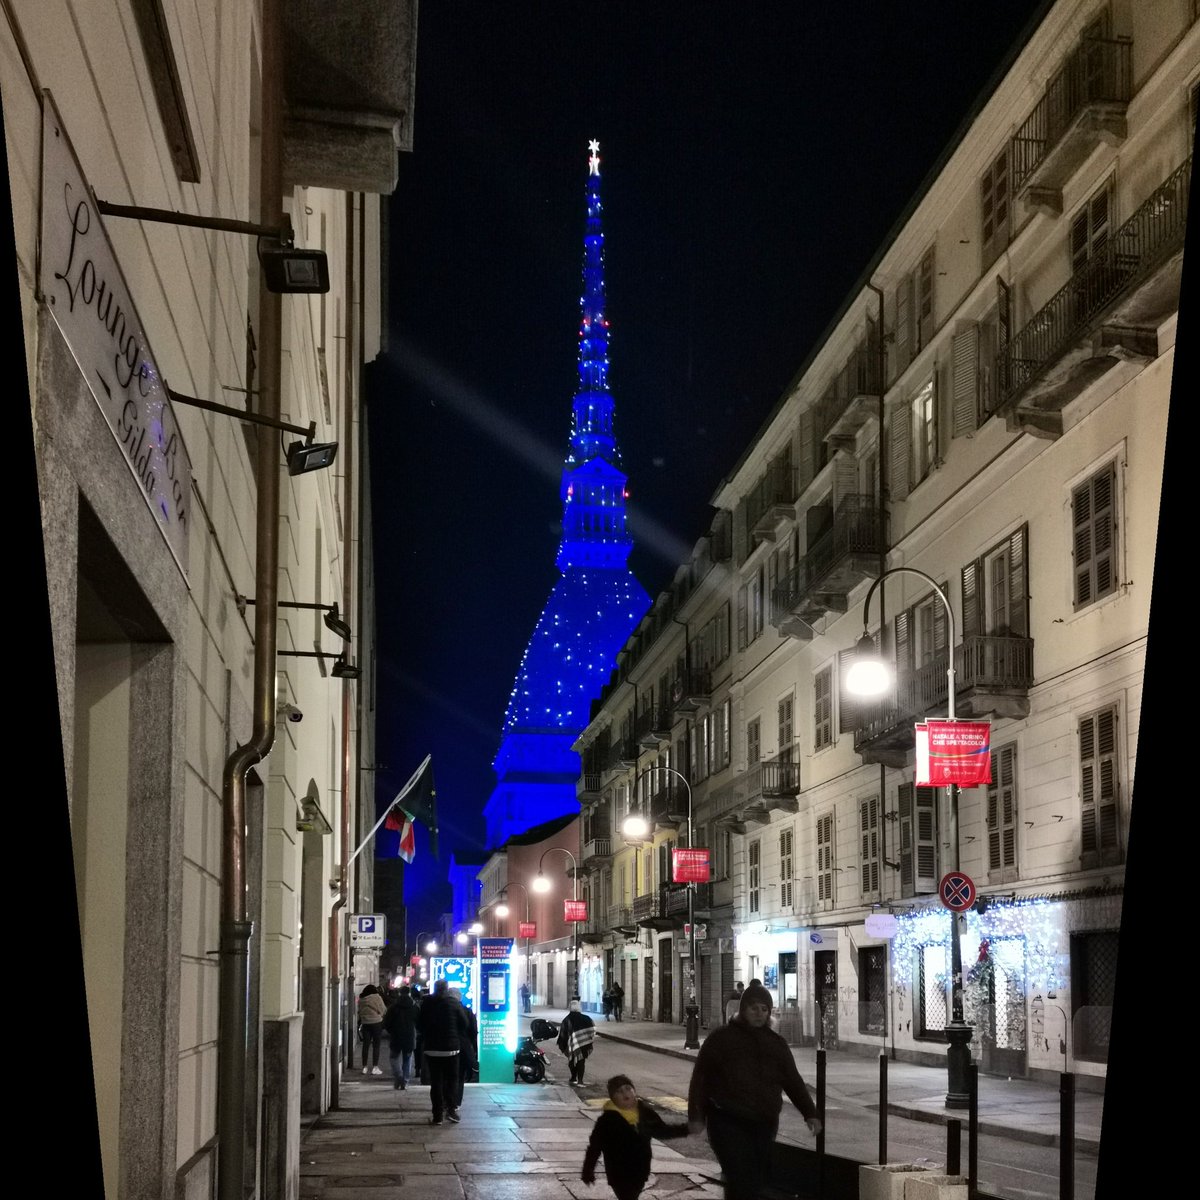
<point x="575" y="910"/>
<point x="690" y="865"/>
<point x="953" y="752"/>
<point x="527" y="929"/>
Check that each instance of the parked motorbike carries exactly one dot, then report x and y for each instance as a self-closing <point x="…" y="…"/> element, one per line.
<point x="529" y="1064"/>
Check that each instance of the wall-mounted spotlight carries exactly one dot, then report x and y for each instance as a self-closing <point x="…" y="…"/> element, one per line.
<point x="332" y="618"/>
<point x="341" y="669"/>
<point x="303" y="457"/>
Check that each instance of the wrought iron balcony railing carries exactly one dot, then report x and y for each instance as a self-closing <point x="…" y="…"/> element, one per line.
<point x="1151" y="235"/>
<point x="778" y="487"/>
<point x="1097" y="72"/>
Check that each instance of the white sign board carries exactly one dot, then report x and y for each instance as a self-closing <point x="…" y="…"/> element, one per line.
<point x="881" y="925"/>
<point x="84" y="289"/>
<point x="367" y="931"/>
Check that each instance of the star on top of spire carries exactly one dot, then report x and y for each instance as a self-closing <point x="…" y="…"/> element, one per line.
<point x="594" y="161"/>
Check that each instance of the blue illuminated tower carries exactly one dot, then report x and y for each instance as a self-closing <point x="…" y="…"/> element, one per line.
<point x="597" y="602"/>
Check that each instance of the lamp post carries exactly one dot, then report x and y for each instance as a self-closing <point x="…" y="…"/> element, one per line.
<point x="502" y="911"/>
<point x="869" y="677"/>
<point x="542" y="884"/>
<point x="431" y="947"/>
<point x="636" y="827"/>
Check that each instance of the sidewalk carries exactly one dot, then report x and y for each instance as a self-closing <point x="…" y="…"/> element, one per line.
<point x="1017" y="1108"/>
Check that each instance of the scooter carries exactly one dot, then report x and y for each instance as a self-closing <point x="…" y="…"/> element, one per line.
<point x="529" y="1064"/>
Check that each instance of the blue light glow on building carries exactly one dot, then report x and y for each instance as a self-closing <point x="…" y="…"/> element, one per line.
<point x="597" y="602"/>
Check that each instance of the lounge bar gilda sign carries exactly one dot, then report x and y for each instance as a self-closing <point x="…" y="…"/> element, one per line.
<point x="82" y="285"/>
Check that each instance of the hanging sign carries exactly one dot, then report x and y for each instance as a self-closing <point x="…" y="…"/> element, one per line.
<point x="575" y="910"/>
<point x="85" y="292"/>
<point x="527" y="929"/>
<point x="368" y="931"/>
<point x="690" y="865"/>
<point x="881" y="925"/>
<point x="953" y="753"/>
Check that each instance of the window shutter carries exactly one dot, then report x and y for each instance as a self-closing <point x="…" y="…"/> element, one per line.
<point x="849" y="707"/>
<point x="904" y="648"/>
<point x="987" y="394"/>
<point x="1002" y="815"/>
<point x="1079" y="239"/>
<point x="941" y="628"/>
<point x="1094" y="521"/>
<point x="965" y="354"/>
<point x="899" y="473"/>
<point x="845" y="478"/>
<point x="907" y="859"/>
<point x="868" y="813"/>
<point x="1098" y="788"/>
<point x="1018" y="584"/>
<point x="925" y="300"/>
<point x="972" y="609"/>
<point x="741" y="618"/>
<point x="825" y="860"/>
<point x="904" y="312"/>
<point x="925" y="839"/>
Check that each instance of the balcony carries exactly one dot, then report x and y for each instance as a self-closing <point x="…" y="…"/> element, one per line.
<point x="1084" y="104"/>
<point x="853" y="399"/>
<point x="992" y="677"/>
<point x="668" y="805"/>
<point x="589" y="786"/>
<point x="596" y="852"/>
<point x="622" y="755"/>
<point x="653" y="726"/>
<point x="771" y="500"/>
<point x="1107" y="311"/>
<point x="620" y="918"/>
<point x="754" y="794"/>
<point x="650" y="911"/>
<point x="690" y="690"/>
<point x="841" y="558"/>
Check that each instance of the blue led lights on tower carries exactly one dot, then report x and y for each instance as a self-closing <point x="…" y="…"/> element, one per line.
<point x="596" y="604"/>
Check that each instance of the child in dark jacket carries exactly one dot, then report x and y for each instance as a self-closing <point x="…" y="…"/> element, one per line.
<point x="622" y="1135"/>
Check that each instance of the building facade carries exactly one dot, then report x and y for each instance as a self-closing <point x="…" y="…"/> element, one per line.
<point x="988" y="409"/>
<point x="210" y="594"/>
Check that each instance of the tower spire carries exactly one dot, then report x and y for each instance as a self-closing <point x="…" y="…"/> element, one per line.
<point x="593" y="486"/>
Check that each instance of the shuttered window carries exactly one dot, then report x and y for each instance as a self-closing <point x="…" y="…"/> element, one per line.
<point x="1002" y="815"/>
<point x="995" y="590"/>
<point x="850" y="708"/>
<point x="868" y="828"/>
<point x="825" y="861"/>
<point x="1094" y="530"/>
<point x="753" y="741"/>
<point x="994" y="203"/>
<point x="823" y="708"/>
<point x="1089" y="228"/>
<point x="925" y="277"/>
<point x="918" y="839"/>
<point x="923" y="415"/>
<point x="754" y="876"/>
<point x="965" y="382"/>
<point x="1098" y="789"/>
<point x="786" y="728"/>
<point x="786" y="872"/>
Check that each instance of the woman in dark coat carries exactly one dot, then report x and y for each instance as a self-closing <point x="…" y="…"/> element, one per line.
<point x="622" y="1135"/>
<point x="400" y="1022"/>
<point x="575" y="1036"/>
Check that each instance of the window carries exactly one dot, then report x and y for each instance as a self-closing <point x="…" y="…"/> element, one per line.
<point x="1093" y="981"/>
<point x="924" y="322"/>
<point x="710" y="647"/>
<point x="914" y="312"/>
<point x="994" y="208"/>
<point x="825" y="861"/>
<point x="1002" y="815"/>
<point x="1094" y="534"/>
<point x="786" y="882"/>
<point x="721" y="841"/>
<point x="918" y="839"/>
<point x="1089" y="228"/>
<point x="933" y="971"/>
<point x="711" y="749"/>
<point x="756" y="604"/>
<point x="995" y="589"/>
<point x="923" y="415"/>
<point x="754" y="880"/>
<point x="823" y="708"/>
<point x="872" y="989"/>
<point x="753" y="741"/>
<point x="1098" y="789"/>
<point x="786" y="734"/>
<point x="868" y="824"/>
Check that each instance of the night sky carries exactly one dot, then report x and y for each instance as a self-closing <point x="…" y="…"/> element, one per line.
<point x="754" y="157"/>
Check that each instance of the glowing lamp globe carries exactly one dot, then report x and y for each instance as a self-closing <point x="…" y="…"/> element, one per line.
<point x="635" y="827"/>
<point x="869" y="675"/>
<point x="502" y="910"/>
<point x="541" y="884"/>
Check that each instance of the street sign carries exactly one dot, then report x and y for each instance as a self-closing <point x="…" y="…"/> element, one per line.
<point x="953" y="752"/>
<point x="367" y="931"/>
<point x="701" y="930"/>
<point x="575" y="910"/>
<point x="527" y="929"/>
<point x="690" y="865"/>
<point x="957" y="891"/>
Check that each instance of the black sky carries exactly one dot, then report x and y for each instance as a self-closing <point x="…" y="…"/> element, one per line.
<point x="754" y="157"/>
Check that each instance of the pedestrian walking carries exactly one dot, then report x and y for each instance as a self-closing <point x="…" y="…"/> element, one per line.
<point x="442" y="1025"/>
<point x="740" y="1073"/>
<point x="526" y="996"/>
<point x="621" y="1135"/>
<point x="400" y="1024"/>
<point x="606" y="1003"/>
<point x="468" y="1059"/>
<point x="576" y="1033"/>
<point x="371" y="1008"/>
<point x="618" y="999"/>
<point x="733" y="1003"/>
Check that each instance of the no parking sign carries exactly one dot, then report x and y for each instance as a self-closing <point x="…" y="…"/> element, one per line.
<point x="957" y="891"/>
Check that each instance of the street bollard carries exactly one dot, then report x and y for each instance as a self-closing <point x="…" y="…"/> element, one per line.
<point x="821" y="1118"/>
<point x="691" y="1036"/>
<point x="953" y="1146"/>
<point x="1066" y="1136"/>
<point x="973" y="1131"/>
<point x="883" y="1115"/>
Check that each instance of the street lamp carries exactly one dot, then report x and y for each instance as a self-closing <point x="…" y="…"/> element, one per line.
<point x="542" y="884"/>
<point x="870" y="677"/>
<point x="502" y="911"/>
<point x="636" y="828"/>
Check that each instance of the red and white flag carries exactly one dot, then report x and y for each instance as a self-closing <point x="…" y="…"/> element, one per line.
<point x="399" y="821"/>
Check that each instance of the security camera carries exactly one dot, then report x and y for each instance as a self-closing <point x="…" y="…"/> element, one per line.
<point x="291" y="712"/>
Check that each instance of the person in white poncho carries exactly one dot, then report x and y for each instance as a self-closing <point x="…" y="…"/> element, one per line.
<point x="575" y="1037"/>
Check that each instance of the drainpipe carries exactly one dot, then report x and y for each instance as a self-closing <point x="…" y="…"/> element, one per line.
<point x="337" y="1000"/>
<point x="236" y="926"/>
